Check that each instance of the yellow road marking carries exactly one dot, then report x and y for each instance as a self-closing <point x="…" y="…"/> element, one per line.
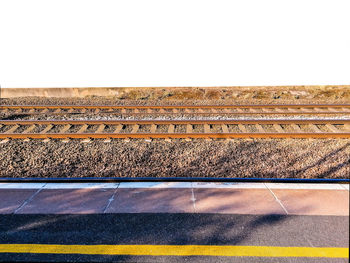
<point x="178" y="250"/>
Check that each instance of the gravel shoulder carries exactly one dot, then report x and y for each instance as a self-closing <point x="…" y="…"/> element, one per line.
<point x="274" y="158"/>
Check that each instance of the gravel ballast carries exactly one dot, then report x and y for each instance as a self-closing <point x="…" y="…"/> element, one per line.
<point x="266" y="158"/>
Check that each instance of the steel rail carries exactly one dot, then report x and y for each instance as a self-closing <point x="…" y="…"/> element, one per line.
<point x="175" y="106"/>
<point x="173" y="135"/>
<point x="199" y="113"/>
<point x="167" y="122"/>
<point x="137" y="110"/>
<point x="171" y="179"/>
<point x="297" y="132"/>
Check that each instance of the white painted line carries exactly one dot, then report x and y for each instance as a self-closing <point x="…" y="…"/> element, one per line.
<point x="80" y="185"/>
<point x="21" y="185"/>
<point x="304" y="186"/>
<point x="174" y="185"/>
<point x="229" y="185"/>
<point x="156" y="185"/>
<point x="345" y="186"/>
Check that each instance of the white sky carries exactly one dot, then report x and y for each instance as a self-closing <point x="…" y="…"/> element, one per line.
<point x="65" y="43"/>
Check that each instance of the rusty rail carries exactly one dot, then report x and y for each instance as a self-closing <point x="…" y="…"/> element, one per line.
<point x="277" y="109"/>
<point x="167" y="129"/>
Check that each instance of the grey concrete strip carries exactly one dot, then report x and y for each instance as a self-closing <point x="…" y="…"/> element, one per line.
<point x="314" y="202"/>
<point x="151" y="201"/>
<point x="63" y="201"/>
<point x="236" y="201"/>
<point x="28" y="200"/>
<point x="12" y="199"/>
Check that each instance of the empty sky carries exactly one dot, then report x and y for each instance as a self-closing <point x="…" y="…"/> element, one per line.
<point x="67" y="43"/>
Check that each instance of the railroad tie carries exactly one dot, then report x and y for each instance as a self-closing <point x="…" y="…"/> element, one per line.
<point x="260" y="128"/>
<point x="29" y="129"/>
<point x="100" y="128"/>
<point x="12" y="130"/>
<point x="242" y="128"/>
<point x="48" y="127"/>
<point x="171" y="129"/>
<point x="296" y="127"/>
<point x="224" y="128"/>
<point x="332" y="127"/>
<point x="118" y="128"/>
<point x="207" y="130"/>
<point x="135" y="128"/>
<point x="65" y="128"/>
<point x="189" y="130"/>
<point x="153" y="128"/>
<point x="315" y="128"/>
<point x="83" y="128"/>
<point x="278" y="128"/>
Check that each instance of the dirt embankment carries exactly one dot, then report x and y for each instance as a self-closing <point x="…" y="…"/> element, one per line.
<point x="201" y="95"/>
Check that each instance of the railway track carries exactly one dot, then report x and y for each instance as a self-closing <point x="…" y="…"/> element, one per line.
<point x="301" y="109"/>
<point x="171" y="129"/>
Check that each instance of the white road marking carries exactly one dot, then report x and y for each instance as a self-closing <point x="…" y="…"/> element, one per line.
<point x="80" y="185"/>
<point x="229" y="185"/>
<point x="21" y="185"/>
<point x="305" y="186"/>
<point x="156" y="185"/>
<point x="174" y="185"/>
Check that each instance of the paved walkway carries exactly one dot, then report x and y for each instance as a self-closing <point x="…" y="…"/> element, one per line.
<point x="223" y="198"/>
<point x="174" y="222"/>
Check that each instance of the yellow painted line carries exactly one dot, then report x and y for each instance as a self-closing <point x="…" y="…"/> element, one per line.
<point x="178" y="250"/>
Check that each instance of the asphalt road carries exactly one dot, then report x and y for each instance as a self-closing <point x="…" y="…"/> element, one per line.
<point x="172" y="229"/>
